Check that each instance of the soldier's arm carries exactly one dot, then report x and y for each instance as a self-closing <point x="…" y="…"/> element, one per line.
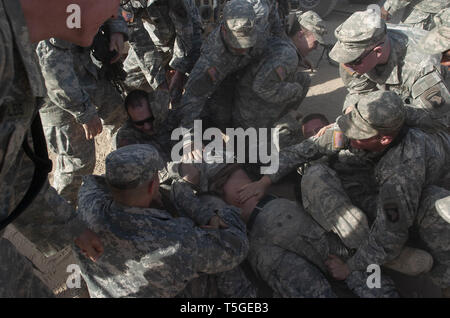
<point x="430" y="92"/>
<point x="188" y="37"/>
<point x="275" y="23"/>
<point x="220" y="250"/>
<point x="272" y="83"/>
<point x="149" y="58"/>
<point x="188" y="204"/>
<point x="398" y="200"/>
<point x="63" y="87"/>
<point x="356" y="85"/>
<point x="393" y="6"/>
<point x="331" y="142"/>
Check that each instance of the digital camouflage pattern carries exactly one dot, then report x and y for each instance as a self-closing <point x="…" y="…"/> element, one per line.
<point x="268" y="21"/>
<point x="288" y="249"/>
<point x="418" y="13"/>
<point x="149" y="253"/>
<point x="270" y="88"/>
<point x="162" y="35"/>
<point x="438" y="40"/>
<point x="76" y="94"/>
<point x="49" y="222"/>
<point x="410" y="73"/>
<point x="215" y="64"/>
<point x="314" y="23"/>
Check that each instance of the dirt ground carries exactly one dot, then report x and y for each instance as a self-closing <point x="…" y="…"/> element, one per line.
<point x="326" y="95"/>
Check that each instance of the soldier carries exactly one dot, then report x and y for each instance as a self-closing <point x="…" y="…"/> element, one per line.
<point x="312" y="123"/>
<point x="80" y="103"/>
<point x="401" y="173"/>
<point x="273" y="87"/>
<point x="228" y="49"/>
<point x="418" y="13"/>
<point x="164" y="35"/>
<point x="149" y="252"/>
<point x="49" y="220"/>
<point x="374" y="57"/>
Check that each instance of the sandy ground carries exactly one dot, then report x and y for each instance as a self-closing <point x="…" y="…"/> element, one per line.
<point x="326" y="95"/>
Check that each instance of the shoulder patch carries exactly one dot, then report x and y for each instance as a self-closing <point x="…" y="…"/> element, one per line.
<point x="128" y="16"/>
<point x="281" y="72"/>
<point x="338" y="139"/>
<point x="212" y="72"/>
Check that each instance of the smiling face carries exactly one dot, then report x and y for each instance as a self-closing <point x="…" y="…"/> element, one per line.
<point x="142" y="117"/>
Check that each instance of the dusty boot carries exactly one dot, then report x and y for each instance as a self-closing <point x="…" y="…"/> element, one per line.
<point x="446" y="292"/>
<point x="412" y="262"/>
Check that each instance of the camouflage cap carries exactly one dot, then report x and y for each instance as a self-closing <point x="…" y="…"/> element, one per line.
<point x="239" y="20"/>
<point x="434" y="6"/>
<point x="132" y="165"/>
<point x="362" y="30"/>
<point x="438" y="39"/>
<point x="314" y="23"/>
<point x="375" y="113"/>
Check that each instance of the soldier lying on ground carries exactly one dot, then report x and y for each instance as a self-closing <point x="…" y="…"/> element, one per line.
<point x="165" y="35"/>
<point x="379" y="58"/>
<point x="272" y="87"/>
<point x="149" y="251"/>
<point x="390" y="177"/>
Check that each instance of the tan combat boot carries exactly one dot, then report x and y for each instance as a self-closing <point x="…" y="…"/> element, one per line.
<point x="412" y="262"/>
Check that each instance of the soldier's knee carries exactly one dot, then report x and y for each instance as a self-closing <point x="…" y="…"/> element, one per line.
<point x="314" y="174"/>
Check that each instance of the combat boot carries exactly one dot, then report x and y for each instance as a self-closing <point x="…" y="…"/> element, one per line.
<point x="412" y="262"/>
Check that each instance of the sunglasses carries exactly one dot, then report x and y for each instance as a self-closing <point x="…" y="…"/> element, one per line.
<point x="359" y="60"/>
<point x="141" y="123"/>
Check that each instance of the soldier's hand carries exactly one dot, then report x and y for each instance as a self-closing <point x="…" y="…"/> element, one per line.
<point x="323" y="130"/>
<point x="176" y="86"/>
<point x="255" y="189"/>
<point x="116" y="43"/>
<point x="385" y="15"/>
<point x="337" y="268"/>
<point x="90" y="244"/>
<point x="215" y="223"/>
<point x="191" y="154"/>
<point x="93" y="127"/>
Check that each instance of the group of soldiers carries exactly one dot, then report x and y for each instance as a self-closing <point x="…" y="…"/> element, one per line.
<point x="373" y="187"/>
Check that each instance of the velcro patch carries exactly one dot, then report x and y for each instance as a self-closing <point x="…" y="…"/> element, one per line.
<point x="281" y="72"/>
<point x="338" y="139"/>
<point x="212" y="72"/>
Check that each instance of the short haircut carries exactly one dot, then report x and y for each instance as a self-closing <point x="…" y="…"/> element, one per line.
<point x="315" y="116"/>
<point x="134" y="98"/>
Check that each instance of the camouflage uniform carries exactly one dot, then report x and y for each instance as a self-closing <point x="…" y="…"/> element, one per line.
<point x="148" y="252"/>
<point x="268" y="20"/>
<point x="75" y="95"/>
<point x="418" y="13"/>
<point x="284" y="239"/>
<point x="409" y="72"/>
<point x="438" y="39"/>
<point x="273" y="87"/>
<point x="395" y="193"/>
<point x="171" y="36"/>
<point x="217" y="63"/>
<point x="49" y="221"/>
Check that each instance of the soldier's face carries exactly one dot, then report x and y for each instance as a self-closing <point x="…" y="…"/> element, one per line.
<point x="306" y="42"/>
<point x="312" y="127"/>
<point x="367" y="61"/>
<point x="374" y="144"/>
<point x="142" y="117"/>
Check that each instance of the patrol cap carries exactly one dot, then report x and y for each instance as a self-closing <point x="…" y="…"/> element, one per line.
<point x="239" y="19"/>
<point x="314" y="23"/>
<point x="130" y="166"/>
<point x="362" y="30"/>
<point x="376" y="113"/>
<point x="438" y="39"/>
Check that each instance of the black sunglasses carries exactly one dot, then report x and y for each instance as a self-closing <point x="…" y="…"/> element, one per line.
<point x="363" y="56"/>
<point x="142" y="122"/>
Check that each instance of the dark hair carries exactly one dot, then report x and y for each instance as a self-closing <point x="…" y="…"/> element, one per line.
<point x="134" y="98"/>
<point x="315" y="116"/>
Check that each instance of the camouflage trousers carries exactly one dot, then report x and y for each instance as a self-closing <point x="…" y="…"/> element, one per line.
<point x="17" y="279"/>
<point x="338" y="204"/>
<point x="288" y="250"/>
<point x="76" y="154"/>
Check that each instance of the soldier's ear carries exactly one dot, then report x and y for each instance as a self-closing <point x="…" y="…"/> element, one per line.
<point x="386" y="140"/>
